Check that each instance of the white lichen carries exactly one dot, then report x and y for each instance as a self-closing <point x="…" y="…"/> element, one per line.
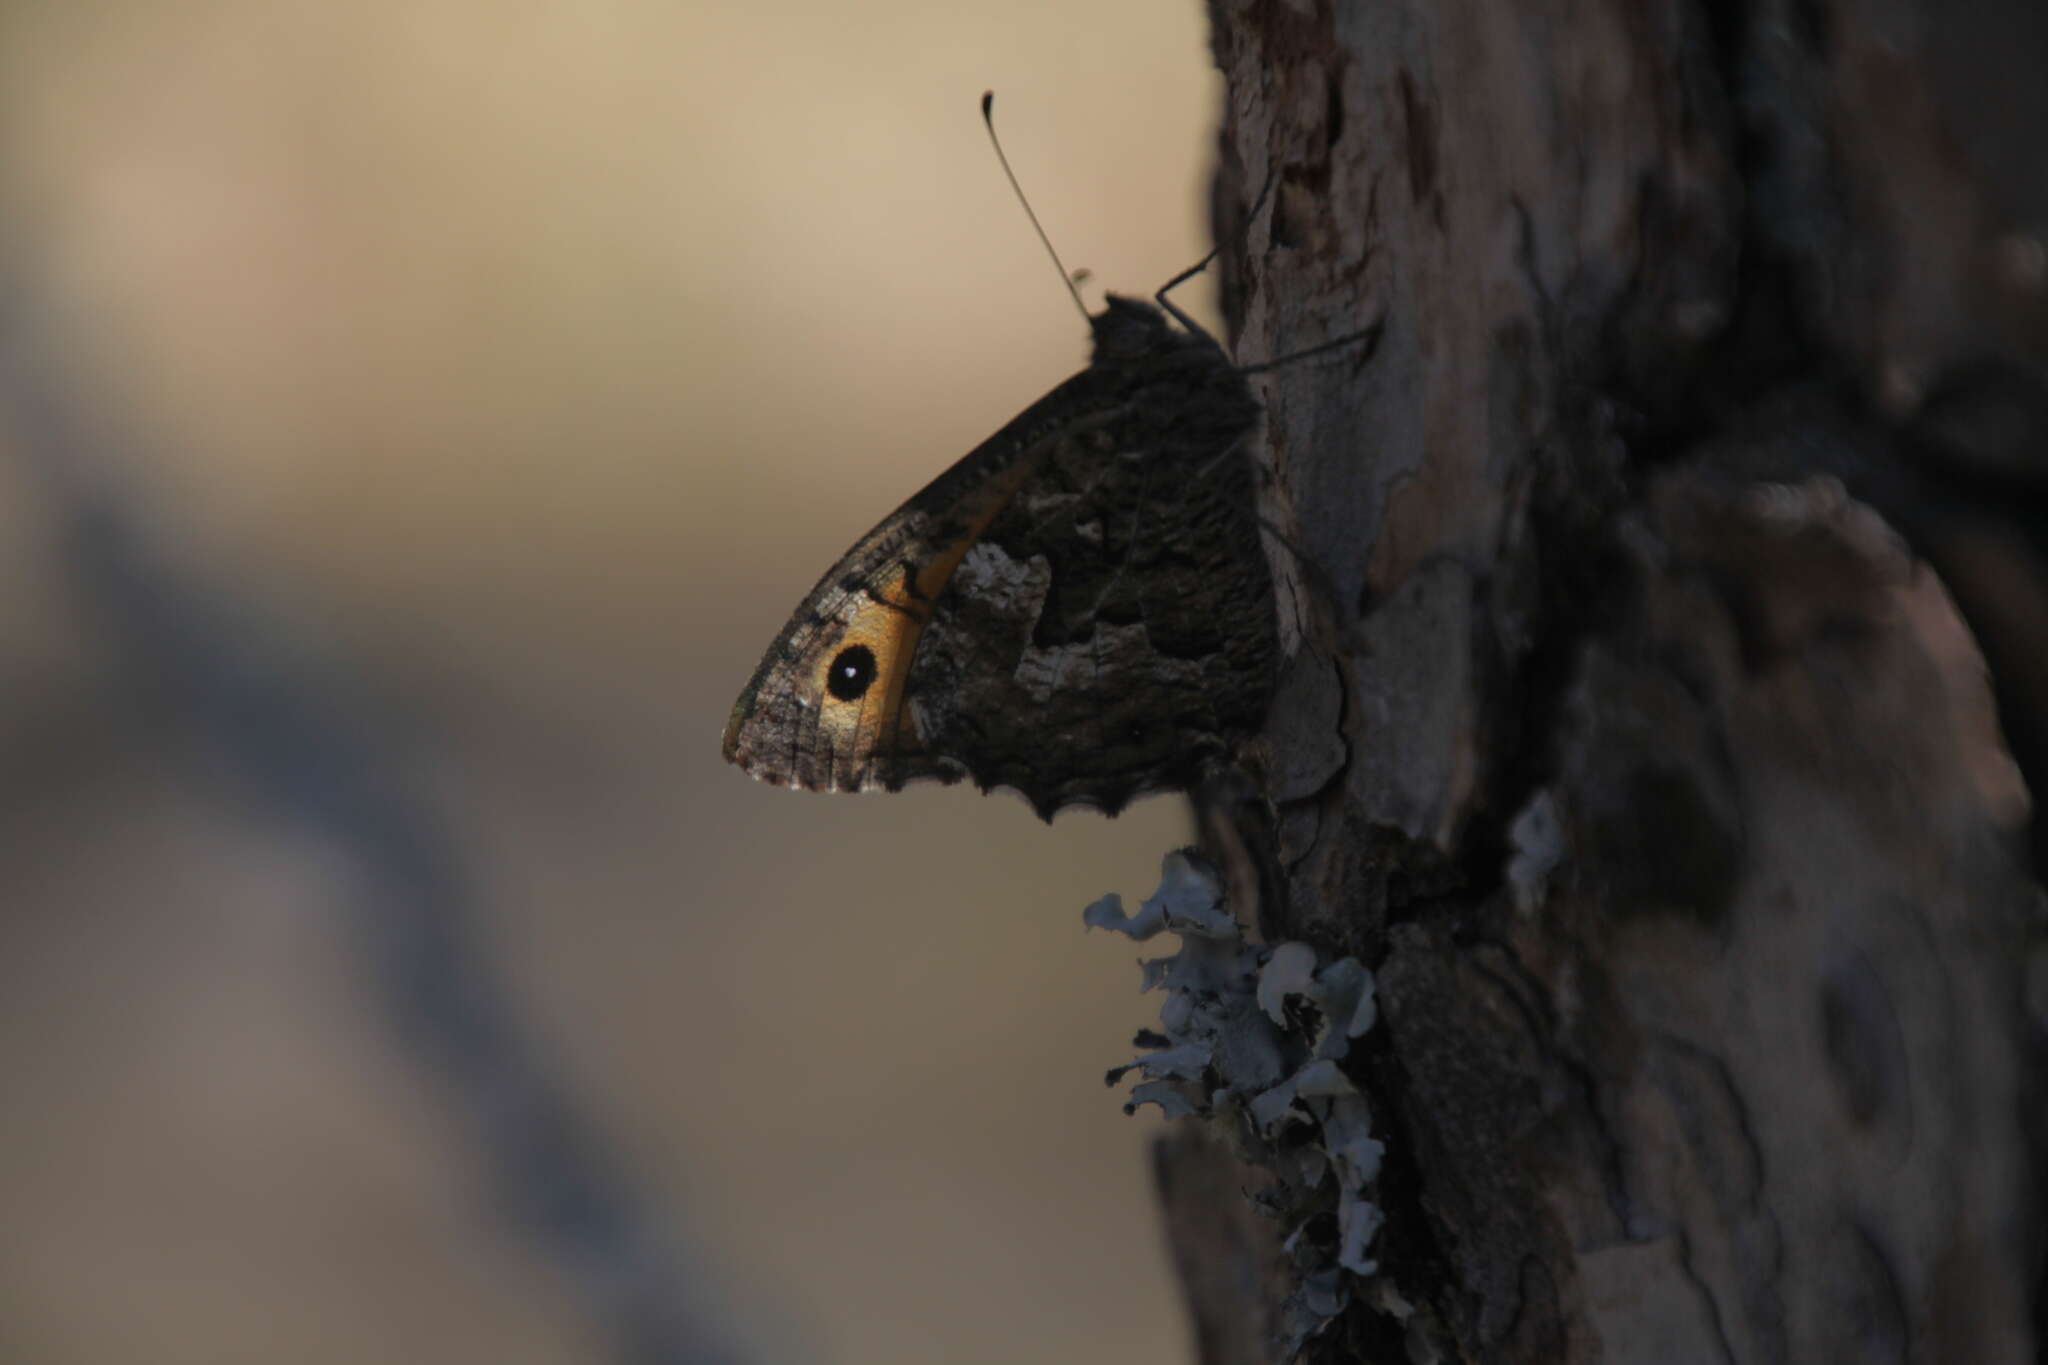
<point x="1253" y="1038"/>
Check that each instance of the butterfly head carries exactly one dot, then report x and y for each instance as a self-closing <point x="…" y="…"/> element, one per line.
<point x="1129" y="329"/>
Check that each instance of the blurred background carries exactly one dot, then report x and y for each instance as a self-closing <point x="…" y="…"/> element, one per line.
<point x="417" y="417"/>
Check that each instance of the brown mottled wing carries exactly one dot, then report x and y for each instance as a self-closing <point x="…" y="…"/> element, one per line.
<point x="1078" y="609"/>
<point x="1111" y="632"/>
<point x="788" y="727"/>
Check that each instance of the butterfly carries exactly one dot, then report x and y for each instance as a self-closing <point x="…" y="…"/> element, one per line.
<point x="1079" y="609"/>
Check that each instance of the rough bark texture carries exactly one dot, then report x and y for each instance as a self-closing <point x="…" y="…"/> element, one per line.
<point x="1666" y="606"/>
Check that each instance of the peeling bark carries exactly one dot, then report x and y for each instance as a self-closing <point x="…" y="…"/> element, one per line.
<point x="1666" y="602"/>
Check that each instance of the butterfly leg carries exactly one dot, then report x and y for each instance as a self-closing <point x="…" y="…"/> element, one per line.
<point x="1366" y="338"/>
<point x="1173" y="310"/>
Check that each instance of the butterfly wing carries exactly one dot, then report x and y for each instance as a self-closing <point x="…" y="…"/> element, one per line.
<point x="824" y="709"/>
<point x="1111" y="632"/>
<point x="1078" y="608"/>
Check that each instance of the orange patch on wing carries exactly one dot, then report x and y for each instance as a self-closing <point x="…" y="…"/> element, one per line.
<point x="893" y="619"/>
<point x="890" y="625"/>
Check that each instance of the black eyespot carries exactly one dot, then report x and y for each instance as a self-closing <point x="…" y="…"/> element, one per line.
<point x="851" y="673"/>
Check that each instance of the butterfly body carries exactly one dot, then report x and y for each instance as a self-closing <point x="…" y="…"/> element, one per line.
<point x="1079" y="608"/>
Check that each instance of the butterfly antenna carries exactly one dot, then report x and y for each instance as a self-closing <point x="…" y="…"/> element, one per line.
<point x="988" y="118"/>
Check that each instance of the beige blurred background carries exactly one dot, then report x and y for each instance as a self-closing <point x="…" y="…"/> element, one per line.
<point x="525" y="363"/>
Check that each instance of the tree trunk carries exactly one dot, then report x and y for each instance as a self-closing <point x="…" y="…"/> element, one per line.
<point x="1640" y="584"/>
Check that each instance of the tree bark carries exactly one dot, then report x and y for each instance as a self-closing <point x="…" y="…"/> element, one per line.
<point x="1666" y="601"/>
